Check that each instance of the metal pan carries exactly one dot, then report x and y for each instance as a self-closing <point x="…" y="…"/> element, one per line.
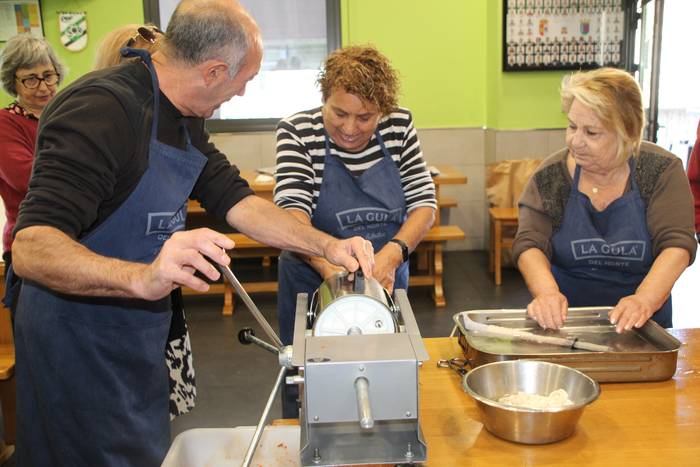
<point x="645" y="354"/>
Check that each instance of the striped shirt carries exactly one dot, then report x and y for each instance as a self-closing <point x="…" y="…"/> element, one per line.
<point x="301" y="152"/>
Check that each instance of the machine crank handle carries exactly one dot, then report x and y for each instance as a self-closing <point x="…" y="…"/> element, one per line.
<point x="246" y="336"/>
<point x="231" y="278"/>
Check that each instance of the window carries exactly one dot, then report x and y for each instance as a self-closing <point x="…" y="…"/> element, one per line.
<point x="297" y="36"/>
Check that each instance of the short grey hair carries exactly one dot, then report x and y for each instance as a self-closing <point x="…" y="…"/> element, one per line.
<point x="207" y="30"/>
<point x="26" y="51"/>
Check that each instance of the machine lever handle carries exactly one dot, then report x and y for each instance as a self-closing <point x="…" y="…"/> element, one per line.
<point x="231" y="278"/>
<point x="246" y="336"/>
<point x="363" y="407"/>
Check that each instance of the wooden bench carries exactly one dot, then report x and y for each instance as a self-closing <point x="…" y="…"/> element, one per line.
<point x="7" y="367"/>
<point x="500" y="218"/>
<point x="431" y="246"/>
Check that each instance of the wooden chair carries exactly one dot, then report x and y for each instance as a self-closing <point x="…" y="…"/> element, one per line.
<point x="500" y="218"/>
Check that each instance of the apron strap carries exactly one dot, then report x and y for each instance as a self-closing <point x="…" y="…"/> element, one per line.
<point x="633" y="179"/>
<point x="146" y="57"/>
<point x="381" y="143"/>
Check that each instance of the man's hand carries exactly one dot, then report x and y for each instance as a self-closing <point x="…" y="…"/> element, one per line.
<point x="387" y="261"/>
<point x="631" y="311"/>
<point x="549" y="310"/>
<point x="352" y="253"/>
<point x="183" y="254"/>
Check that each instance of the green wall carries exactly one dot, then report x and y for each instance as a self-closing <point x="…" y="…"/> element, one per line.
<point x="102" y="17"/>
<point x="517" y="100"/>
<point x="441" y="62"/>
<point x="448" y="53"/>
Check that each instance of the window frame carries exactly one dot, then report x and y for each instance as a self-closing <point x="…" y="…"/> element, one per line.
<point x="151" y="14"/>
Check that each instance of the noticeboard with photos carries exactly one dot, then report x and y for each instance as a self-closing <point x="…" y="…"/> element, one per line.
<point x="563" y="34"/>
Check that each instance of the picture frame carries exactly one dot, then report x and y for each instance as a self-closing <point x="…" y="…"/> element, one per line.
<point x="20" y="16"/>
<point x="564" y="34"/>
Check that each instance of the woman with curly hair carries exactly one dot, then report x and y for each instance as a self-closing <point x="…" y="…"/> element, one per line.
<point x="353" y="166"/>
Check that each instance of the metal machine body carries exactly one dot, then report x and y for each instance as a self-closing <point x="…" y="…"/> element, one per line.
<point x="358" y="354"/>
<point x="359" y="388"/>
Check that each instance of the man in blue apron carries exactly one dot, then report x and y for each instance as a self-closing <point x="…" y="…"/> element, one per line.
<point x="100" y="241"/>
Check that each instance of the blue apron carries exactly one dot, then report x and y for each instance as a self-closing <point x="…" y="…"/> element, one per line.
<point x="92" y="385"/>
<point x="372" y="206"/>
<point x="600" y="257"/>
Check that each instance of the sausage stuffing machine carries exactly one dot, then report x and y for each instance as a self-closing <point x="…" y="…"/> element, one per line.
<point x="357" y="352"/>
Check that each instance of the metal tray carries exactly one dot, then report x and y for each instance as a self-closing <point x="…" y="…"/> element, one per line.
<point x="645" y="354"/>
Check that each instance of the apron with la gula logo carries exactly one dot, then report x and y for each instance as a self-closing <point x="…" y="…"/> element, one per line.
<point x="600" y="257"/>
<point x="92" y="384"/>
<point x="372" y="205"/>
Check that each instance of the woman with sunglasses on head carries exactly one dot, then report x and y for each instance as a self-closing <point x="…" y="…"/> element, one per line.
<point x="30" y="72"/>
<point x="136" y="36"/>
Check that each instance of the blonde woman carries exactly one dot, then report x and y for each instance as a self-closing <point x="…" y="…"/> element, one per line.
<point x="147" y="37"/>
<point x="608" y="220"/>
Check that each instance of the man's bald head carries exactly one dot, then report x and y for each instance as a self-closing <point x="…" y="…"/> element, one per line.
<point x="201" y="30"/>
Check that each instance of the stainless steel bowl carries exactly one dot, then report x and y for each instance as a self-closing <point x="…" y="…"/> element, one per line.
<point x="487" y="383"/>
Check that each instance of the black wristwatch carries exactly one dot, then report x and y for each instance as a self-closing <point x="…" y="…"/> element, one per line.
<point x="404" y="248"/>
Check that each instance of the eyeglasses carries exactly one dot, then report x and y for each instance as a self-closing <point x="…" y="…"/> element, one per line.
<point x="148" y="34"/>
<point x="33" y="81"/>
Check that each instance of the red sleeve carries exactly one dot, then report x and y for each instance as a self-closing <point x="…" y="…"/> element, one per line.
<point x="17" y="141"/>
<point x="694" y="177"/>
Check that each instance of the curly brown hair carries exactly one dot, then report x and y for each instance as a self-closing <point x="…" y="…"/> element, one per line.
<point x="364" y="72"/>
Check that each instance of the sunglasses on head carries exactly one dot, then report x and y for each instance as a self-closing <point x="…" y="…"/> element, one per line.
<point x="147" y="34"/>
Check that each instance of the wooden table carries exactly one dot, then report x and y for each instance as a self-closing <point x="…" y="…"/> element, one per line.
<point x="448" y="176"/>
<point x="646" y="424"/>
<point x="429" y="253"/>
<point x="263" y="189"/>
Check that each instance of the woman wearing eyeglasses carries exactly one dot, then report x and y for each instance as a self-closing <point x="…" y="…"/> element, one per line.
<point x="30" y="72"/>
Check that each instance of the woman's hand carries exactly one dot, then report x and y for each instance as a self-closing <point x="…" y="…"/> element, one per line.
<point x="385" y="263"/>
<point x="549" y="309"/>
<point x="631" y="311"/>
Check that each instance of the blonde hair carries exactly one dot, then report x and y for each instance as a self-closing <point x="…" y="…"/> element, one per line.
<point x="364" y="72"/>
<point x="108" y="52"/>
<point x="616" y="99"/>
